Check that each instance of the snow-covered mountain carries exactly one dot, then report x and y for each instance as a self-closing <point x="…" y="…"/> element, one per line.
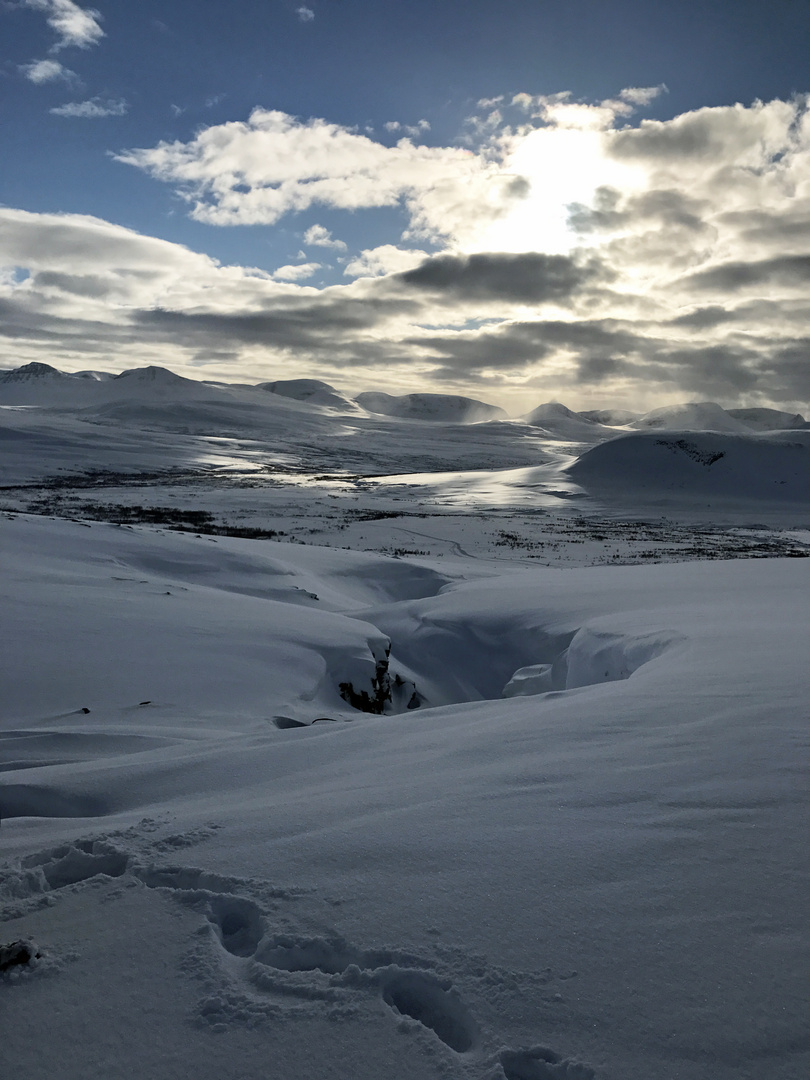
<point x="445" y="408"/>
<point x="691" y="416"/>
<point x="609" y="417"/>
<point x="559" y="422"/>
<point x="312" y="391"/>
<point x="768" y="419"/>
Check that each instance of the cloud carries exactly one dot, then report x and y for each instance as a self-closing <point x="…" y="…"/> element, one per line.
<point x="95" y="107"/>
<point x="318" y="236"/>
<point x="75" y="26"/>
<point x="643" y="95"/>
<point x="526" y="278"/>
<point x="42" y="71"/>
<point x="385" y="259"/>
<point x="790" y="271"/>
<point x="517" y="345"/>
<point x="295" y="271"/>
<point x="578" y="251"/>
<point x="305" y="14"/>
<point x="255" y="172"/>
<point x="412" y="130"/>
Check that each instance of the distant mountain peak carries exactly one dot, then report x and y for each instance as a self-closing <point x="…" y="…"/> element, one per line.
<point x="34" y="370"/>
<point x="448" y="408"/>
<point x="152" y="374"/>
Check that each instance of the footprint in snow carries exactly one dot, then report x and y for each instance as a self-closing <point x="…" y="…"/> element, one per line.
<point x="238" y="924"/>
<point x="541" y="1063"/>
<point x="315" y="969"/>
<point x="433" y="1004"/>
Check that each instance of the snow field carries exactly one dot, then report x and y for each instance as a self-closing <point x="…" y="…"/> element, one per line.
<point x="604" y="879"/>
<point x="572" y="846"/>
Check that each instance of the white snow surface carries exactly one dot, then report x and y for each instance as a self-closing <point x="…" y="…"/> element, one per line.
<point x="571" y="847"/>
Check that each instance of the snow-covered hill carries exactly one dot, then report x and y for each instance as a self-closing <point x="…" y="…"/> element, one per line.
<point x="696" y="465"/>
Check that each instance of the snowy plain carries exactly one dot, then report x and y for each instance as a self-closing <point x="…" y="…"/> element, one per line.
<point x="570" y="845"/>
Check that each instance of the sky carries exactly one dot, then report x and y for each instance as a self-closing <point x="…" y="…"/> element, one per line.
<point x="515" y="200"/>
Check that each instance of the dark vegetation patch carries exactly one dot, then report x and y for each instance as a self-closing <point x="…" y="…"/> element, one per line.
<point x="169" y="517"/>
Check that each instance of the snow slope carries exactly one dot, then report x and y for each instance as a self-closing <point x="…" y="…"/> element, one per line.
<point x="604" y="880"/>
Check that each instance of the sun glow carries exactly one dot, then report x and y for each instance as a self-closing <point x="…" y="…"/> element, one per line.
<point x="564" y="165"/>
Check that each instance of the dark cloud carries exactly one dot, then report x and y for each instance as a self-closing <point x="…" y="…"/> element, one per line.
<point x="592" y="370"/>
<point x="758" y="313"/>
<point x="531" y="277"/>
<point x="519" y="344"/>
<point x="705" y="318"/>
<point x="790" y="270"/>
<point x="666" y="208"/>
<point x="703" y="135"/>
<point x="724" y="370"/>
<point x="762" y="226"/>
<point x="89" y="285"/>
<point x="308" y="324"/>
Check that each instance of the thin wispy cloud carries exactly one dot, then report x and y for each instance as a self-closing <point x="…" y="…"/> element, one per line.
<point x="411" y="130"/>
<point x="92" y="109"/>
<point x="44" y="71"/>
<point x="76" y="27"/>
<point x="305" y="14"/>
